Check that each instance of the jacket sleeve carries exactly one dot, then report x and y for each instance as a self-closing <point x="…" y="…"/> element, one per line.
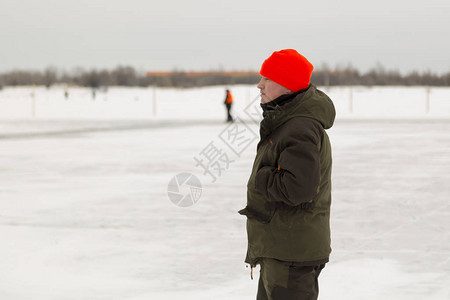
<point x="297" y="178"/>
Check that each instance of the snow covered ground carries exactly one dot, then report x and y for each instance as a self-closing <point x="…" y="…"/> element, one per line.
<point x="85" y="212"/>
<point x="206" y="103"/>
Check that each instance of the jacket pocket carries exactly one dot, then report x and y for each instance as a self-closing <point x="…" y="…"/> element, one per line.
<point x="256" y="215"/>
<point x="261" y="241"/>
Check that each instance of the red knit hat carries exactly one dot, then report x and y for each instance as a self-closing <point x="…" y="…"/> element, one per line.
<point x="288" y="68"/>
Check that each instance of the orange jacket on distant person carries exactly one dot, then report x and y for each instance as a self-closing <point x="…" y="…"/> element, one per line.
<point x="229" y="98"/>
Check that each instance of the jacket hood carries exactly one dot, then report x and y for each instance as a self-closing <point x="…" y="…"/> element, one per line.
<point x="311" y="103"/>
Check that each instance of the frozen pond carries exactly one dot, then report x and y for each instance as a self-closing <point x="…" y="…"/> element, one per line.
<point x="85" y="214"/>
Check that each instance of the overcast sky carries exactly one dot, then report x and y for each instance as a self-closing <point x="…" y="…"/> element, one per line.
<point x="232" y="35"/>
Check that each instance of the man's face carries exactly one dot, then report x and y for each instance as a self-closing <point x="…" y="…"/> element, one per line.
<point x="271" y="90"/>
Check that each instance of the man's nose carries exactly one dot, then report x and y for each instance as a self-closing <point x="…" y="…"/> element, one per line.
<point x="260" y="85"/>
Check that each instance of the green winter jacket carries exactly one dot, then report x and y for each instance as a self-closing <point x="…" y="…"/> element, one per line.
<point x="289" y="190"/>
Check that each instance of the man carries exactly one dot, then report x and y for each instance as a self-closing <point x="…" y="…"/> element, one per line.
<point x="289" y="190"/>
<point x="228" y="103"/>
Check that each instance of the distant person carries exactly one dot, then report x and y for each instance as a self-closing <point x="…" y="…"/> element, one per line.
<point x="228" y="103"/>
<point x="289" y="190"/>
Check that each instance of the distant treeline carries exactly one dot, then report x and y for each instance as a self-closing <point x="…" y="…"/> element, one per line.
<point x="128" y="76"/>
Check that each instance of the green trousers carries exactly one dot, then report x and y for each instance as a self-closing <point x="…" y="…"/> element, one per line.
<point x="280" y="280"/>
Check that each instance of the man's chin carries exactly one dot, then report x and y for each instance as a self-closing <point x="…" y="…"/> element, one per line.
<point x="264" y="100"/>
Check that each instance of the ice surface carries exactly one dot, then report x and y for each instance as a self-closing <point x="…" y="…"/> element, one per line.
<point x="85" y="213"/>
